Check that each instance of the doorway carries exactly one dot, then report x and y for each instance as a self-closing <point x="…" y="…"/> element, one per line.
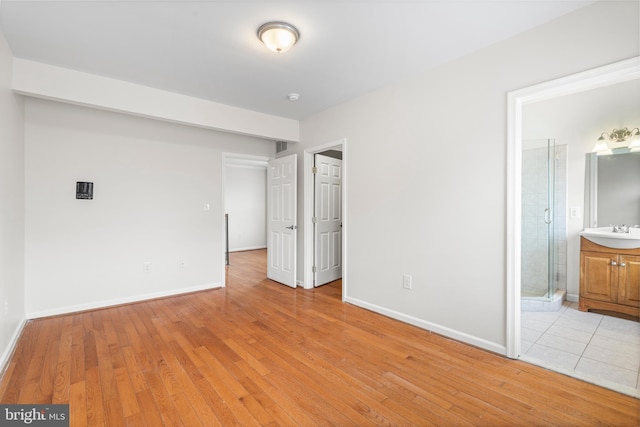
<point x="600" y="77"/>
<point x="309" y="208"/>
<point x="308" y="204"/>
<point x="244" y="203"/>
<point x="327" y="217"/>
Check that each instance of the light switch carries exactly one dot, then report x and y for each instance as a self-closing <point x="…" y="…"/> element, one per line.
<point x="574" y="212"/>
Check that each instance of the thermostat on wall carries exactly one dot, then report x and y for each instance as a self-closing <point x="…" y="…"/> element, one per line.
<point x="84" y="190"/>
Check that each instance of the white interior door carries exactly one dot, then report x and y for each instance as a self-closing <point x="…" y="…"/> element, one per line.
<point x="327" y="219"/>
<point x="281" y="220"/>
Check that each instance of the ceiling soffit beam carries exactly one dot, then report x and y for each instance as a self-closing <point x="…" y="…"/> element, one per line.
<point x="62" y="84"/>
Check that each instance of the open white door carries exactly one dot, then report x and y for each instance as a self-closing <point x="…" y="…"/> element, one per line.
<point x="281" y="220"/>
<point x="327" y="219"/>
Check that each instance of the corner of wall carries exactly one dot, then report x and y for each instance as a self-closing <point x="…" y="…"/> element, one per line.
<point x="12" y="219"/>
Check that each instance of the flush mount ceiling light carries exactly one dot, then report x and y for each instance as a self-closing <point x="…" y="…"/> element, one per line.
<point x="278" y="36"/>
<point x="618" y="139"/>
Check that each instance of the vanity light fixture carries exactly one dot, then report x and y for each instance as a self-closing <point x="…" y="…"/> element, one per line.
<point x="618" y="139"/>
<point x="278" y="36"/>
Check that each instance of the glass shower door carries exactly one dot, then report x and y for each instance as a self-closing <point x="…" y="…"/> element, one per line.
<point x="549" y="217"/>
<point x="538" y="210"/>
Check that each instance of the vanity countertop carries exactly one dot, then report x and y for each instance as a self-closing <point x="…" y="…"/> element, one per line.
<point x="605" y="236"/>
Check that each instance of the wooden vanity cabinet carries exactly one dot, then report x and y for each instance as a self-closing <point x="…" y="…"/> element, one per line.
<point x="609" y="278"/>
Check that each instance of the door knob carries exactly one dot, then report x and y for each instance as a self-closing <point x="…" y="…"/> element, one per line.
<point x="614" y="263"/>
<point x="292" y="227"/>
<point x="623" y="264"/>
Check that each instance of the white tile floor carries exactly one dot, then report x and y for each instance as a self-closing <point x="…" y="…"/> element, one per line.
<point x="600" y="349"/>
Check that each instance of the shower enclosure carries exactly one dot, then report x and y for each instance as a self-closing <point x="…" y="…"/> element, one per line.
<point x="544" y="205"/>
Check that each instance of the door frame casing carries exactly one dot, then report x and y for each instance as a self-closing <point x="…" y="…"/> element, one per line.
<point x="607" y="75"/>
<point x="308" y="195"/>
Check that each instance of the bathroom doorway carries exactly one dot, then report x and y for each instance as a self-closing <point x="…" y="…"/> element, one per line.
<point x="576" y="343"/>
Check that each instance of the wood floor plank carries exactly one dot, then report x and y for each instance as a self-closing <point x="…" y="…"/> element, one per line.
<point x="277" y="415"/>
<point x="94" y="402"/>
<point x="61" y="383"/>
<point x="162" y="398"/>
<point x="78" y="367"/>
<point x="260" y="353"/>
<point x="113" y="413"/>
<point x="134" y="371"/>
<point x="358" y="398"/>
<point x="36" y="363"/>
<point x="187" y="414"/>
<point x="126" y="393"/>
<point x="148" y="408"/>
<point x="284" y="407"/>
<point x="217" y="404"/>
<point x="77" y="411"/>
<point x="187" y="377"/>
<point x="328" y="387"/>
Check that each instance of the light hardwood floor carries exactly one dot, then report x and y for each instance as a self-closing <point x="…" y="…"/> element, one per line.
<point x="260" y="353"/>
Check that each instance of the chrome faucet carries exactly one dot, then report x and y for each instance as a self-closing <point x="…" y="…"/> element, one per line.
<point x="623" y="228"/>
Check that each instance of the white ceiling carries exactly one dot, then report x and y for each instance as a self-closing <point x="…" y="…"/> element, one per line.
<point x="209" y="49"/>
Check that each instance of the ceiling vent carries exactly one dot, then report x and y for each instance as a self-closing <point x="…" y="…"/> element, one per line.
<point x="281" y="147"/>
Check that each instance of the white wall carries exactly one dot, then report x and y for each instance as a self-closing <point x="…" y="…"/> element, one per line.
<point x="12" y="306"/>
<point x="578" y="120"/>
<point x="426" y="186"/>
<point x="245" y="202"/>
<point x="151" y="182"/>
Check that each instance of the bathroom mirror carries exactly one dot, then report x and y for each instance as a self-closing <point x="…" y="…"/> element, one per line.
<point x="612" y="189"/>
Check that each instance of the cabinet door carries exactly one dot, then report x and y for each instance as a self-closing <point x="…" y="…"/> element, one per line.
<point x="629" y="280"/>
<point x="599" y="276"/>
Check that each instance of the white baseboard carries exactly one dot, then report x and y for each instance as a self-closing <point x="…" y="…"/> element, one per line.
<point x="248" y="248"/>
<point x="11" y="346"/>
<point x="572" y="297"/>
<point x="433" y="327"/>
<point x="119" y="301"/>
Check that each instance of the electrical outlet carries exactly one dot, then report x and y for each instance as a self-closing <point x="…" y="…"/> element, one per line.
<point x="181" y="264"/>
<point x="146" y="267"/>
<point x="406" y="281"/>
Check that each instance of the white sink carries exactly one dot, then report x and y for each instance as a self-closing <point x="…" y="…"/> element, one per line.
<point x="606" y="237"/>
